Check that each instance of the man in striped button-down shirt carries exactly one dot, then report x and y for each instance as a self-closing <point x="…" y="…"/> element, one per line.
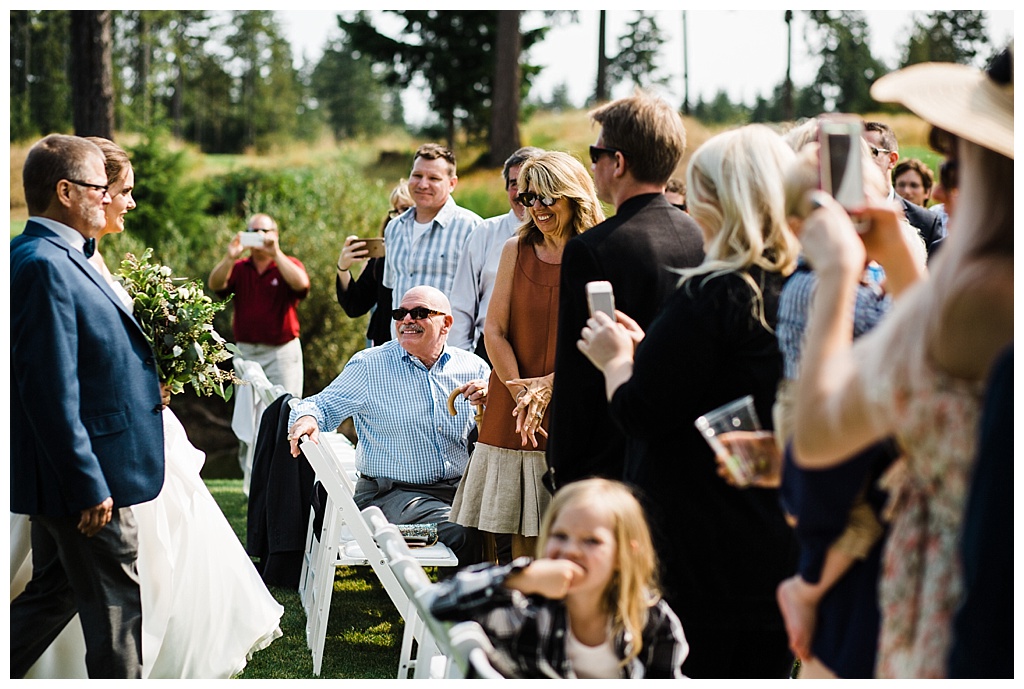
<point x="411" y="451"/>
<point x="424" y="243"/>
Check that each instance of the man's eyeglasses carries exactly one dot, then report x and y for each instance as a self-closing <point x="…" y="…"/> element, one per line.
<point x="597" y="151"/>
<point x="259" y="229"/>
<point x="102" y="187"/>
<point x="528" y="198"/>
<point x="418" y="313"/>
<point x="876" y="151"/>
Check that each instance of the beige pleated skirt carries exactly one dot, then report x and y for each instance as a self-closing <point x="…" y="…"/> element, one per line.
<point x="501" y="491"/>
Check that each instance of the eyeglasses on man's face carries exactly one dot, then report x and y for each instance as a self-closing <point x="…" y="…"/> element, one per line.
<point x="259" y="229"/>
<point x="103" y="188"/>
<point x="528" y="198"/>
<point x="597" y="151"/>
<point x="418" y="313"/>
<point x="876" y="151"/>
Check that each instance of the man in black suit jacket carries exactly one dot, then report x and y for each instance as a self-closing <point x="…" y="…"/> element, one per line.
<point x="86" y="433"/>
<point x="640" y="144"/>
<point x="886" y="153"/>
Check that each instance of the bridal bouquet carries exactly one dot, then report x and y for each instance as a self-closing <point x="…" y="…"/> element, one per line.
<point x="177" y="318"/>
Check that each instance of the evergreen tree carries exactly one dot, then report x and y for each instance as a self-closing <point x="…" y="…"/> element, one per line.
<point x="40" y="93"/>
<point x="453" y="52"/>
<point x="947" y="36"/>
<point x="352" y="98"/>
<point x="848" y="68"/>
<point x="637" y="58"/>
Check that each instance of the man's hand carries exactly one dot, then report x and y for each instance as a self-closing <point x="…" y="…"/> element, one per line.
<point x="305" y="425"/>
<point x="476" y="392"/>
<point x="95" y="518"/>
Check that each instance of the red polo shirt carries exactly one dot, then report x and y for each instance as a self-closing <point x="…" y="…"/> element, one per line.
<point x="264" y="304"/>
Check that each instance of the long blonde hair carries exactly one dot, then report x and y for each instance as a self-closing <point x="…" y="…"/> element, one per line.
<point x="734" y="187"/>
<point x="633" y="588"/>
<point x="558" y="174"/>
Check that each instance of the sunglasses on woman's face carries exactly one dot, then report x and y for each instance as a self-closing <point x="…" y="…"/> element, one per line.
<point x="418" y="313"/>
<point x="528" y="198"/>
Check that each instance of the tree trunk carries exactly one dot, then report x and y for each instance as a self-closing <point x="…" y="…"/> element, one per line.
<point x="601" y="92"/>
<point x="504" y="135"/>
<point x="142" y="67"/>
<point x="92" y="83"/>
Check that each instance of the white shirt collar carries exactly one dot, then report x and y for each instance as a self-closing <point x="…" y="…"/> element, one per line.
<point x="68" y="234"/>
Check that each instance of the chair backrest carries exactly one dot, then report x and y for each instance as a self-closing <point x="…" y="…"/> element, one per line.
<point x="338" y="486"/>
<point x="471" y="648"/>
<point x="252" y="372"/>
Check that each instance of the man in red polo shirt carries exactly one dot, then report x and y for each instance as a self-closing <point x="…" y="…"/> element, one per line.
<point x="267" y="286"/>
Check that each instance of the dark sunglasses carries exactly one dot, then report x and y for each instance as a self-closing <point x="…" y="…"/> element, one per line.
<point x="596" y="152"/>
<point x="259" y="229"/>
<point x="876" y="151"/>
<point x="418" y="313"/>
<point x="528" y="198"/>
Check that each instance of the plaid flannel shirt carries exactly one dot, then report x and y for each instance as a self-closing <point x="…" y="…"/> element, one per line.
<point x="529" y="632"/>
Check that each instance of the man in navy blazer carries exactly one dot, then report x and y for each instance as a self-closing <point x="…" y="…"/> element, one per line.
<point x="86" y="422"/>
<point x="641" y="142"/>
<point x="885" y="153"/>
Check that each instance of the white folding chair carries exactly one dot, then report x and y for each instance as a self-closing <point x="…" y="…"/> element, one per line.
<point x="346" y="454"/>
<point x="443" y="649"/>
<point x="346" y="539"/>
<point x="470" y="649"/>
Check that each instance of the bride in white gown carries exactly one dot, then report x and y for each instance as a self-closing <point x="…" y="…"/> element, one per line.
<point x="205" y="609"/>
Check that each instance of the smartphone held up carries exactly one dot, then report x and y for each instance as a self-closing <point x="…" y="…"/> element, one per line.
<point x="600" y="297"/>
<point x="839" y="161"/>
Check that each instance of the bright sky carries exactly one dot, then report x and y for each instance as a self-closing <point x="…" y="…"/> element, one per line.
<point x="740" y="51"/>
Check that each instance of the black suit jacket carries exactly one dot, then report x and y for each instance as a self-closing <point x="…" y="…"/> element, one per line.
<point x="634" y="251"/>
<point x="927" y="223"/>
<point x="279" y="500"/>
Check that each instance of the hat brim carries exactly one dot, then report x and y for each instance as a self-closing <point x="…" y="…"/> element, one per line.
<point x="960" y="99"/>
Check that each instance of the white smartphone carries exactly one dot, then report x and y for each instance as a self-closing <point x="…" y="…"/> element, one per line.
<point x="840" y="159"/>
<point x="252" y="239"/>
<point x="600" y="297"/>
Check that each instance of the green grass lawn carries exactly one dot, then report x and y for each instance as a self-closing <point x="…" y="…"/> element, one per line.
<point x="364" y="632"/>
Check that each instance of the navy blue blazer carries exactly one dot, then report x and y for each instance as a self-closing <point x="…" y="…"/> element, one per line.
<point x="86" y="420"/>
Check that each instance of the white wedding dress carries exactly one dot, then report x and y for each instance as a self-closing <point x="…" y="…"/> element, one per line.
<point x="205" y="609"/>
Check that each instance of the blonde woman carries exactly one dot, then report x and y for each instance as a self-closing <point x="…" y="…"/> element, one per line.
<point x="588" y="607"/>
<point x="724" y="550"/>
<point x="501" y="491"/>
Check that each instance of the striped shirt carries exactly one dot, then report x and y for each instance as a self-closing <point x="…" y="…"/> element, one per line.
<point x="474" y="279"/>
<point x="400" y="411"/>
<point x="430" y="258"/>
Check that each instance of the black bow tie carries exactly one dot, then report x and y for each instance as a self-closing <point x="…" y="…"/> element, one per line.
<point x="90" y="247"/>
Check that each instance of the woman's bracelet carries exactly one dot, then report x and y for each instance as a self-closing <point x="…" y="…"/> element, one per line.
<point x="340" y="269"/>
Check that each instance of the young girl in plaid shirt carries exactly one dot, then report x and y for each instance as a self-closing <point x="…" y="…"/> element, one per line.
<point x="588" y="607"/>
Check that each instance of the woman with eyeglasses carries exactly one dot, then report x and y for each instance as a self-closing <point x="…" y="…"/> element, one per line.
<point x="358" y="296"/>
<point x="723" y="550"/>
<point x="501" y="491"/>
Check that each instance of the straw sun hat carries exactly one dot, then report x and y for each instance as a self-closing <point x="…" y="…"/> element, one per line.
<point x="972" y="104"/>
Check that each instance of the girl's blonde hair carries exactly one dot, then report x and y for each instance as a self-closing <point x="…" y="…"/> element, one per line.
<point x="557" y="174"/>
<point x="734" y="184"/>
<point x="633" y="588"/>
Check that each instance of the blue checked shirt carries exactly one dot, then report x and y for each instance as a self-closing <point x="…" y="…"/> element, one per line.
<point x="400" y="411"/>
<point x="432" y="257"/>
